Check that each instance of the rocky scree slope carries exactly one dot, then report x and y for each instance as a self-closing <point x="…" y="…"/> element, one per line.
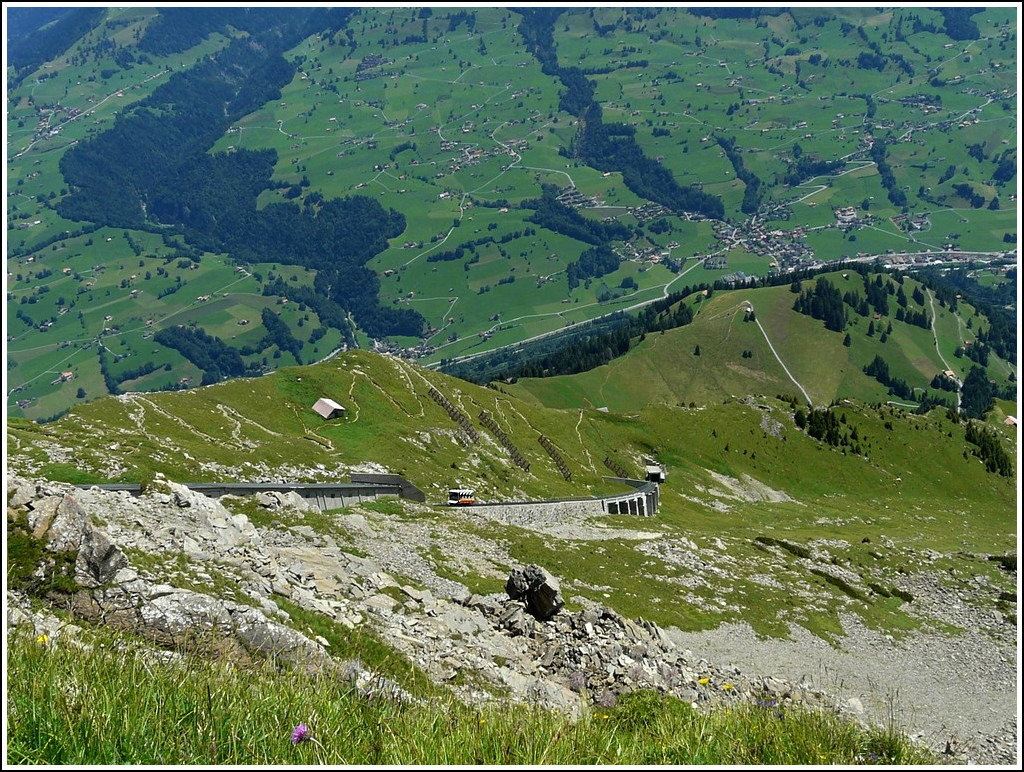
<point x="126" y="564"/>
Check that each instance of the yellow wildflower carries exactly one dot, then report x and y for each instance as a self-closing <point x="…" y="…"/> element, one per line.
<point x="44" y="638"/>
<point x="704" y="681"/>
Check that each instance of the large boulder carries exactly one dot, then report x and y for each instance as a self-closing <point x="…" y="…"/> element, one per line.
<point x="58" y="520"/>
<point x="540" y="592"/>
<point x="275" y="500"/>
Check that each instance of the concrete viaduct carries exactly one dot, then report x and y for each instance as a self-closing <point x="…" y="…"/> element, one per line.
<point x="643" y="500"/>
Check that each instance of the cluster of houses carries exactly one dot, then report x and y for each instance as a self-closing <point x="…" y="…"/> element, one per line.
<point x="648" y="212"/>
<point x="849" y="217"/>
<point x="571" y="196"/>
<point x="372" y="66"/>
<point x="926" y="103"/>
<point x="410" y="352"/>
<point x="784" y="247"/>
<point x="470" y="155"/>
<point x="906" y="260"/>
<point x="910" y="223"/>
<point x="641" y="254"/>
<point x="49" y="115"/>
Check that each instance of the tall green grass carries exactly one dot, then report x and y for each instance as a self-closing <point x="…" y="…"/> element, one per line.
<point x="111" y="703"/>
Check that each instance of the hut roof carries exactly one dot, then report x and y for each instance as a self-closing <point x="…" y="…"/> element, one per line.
<point x="328" y="408"/>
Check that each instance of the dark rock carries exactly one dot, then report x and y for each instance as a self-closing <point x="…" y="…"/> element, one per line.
<point x="98" y="559"/>
<point x="537" y="590"/>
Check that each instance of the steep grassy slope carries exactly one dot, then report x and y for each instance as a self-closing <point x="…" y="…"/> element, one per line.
<point x="252" y="428"/>
<point x="743" y="480"/>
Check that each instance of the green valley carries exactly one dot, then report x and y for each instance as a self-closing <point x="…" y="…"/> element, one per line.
<point x="513" y="173"/>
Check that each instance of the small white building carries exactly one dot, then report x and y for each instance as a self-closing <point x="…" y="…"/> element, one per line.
<point x="328" y="409"/>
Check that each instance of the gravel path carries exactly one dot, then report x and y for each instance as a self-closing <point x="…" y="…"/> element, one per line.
<point x="961" y="690"/>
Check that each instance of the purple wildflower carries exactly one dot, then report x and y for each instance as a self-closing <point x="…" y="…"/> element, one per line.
<point x="300" y="734"/>
<point x="577" y="681"/>
<point x="607" y="699"/>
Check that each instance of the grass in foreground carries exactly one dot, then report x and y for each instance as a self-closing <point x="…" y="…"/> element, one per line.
<point x="111" y="703"/>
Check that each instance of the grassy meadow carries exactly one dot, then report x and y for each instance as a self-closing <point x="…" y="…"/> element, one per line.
<point x="130" y="708"/>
